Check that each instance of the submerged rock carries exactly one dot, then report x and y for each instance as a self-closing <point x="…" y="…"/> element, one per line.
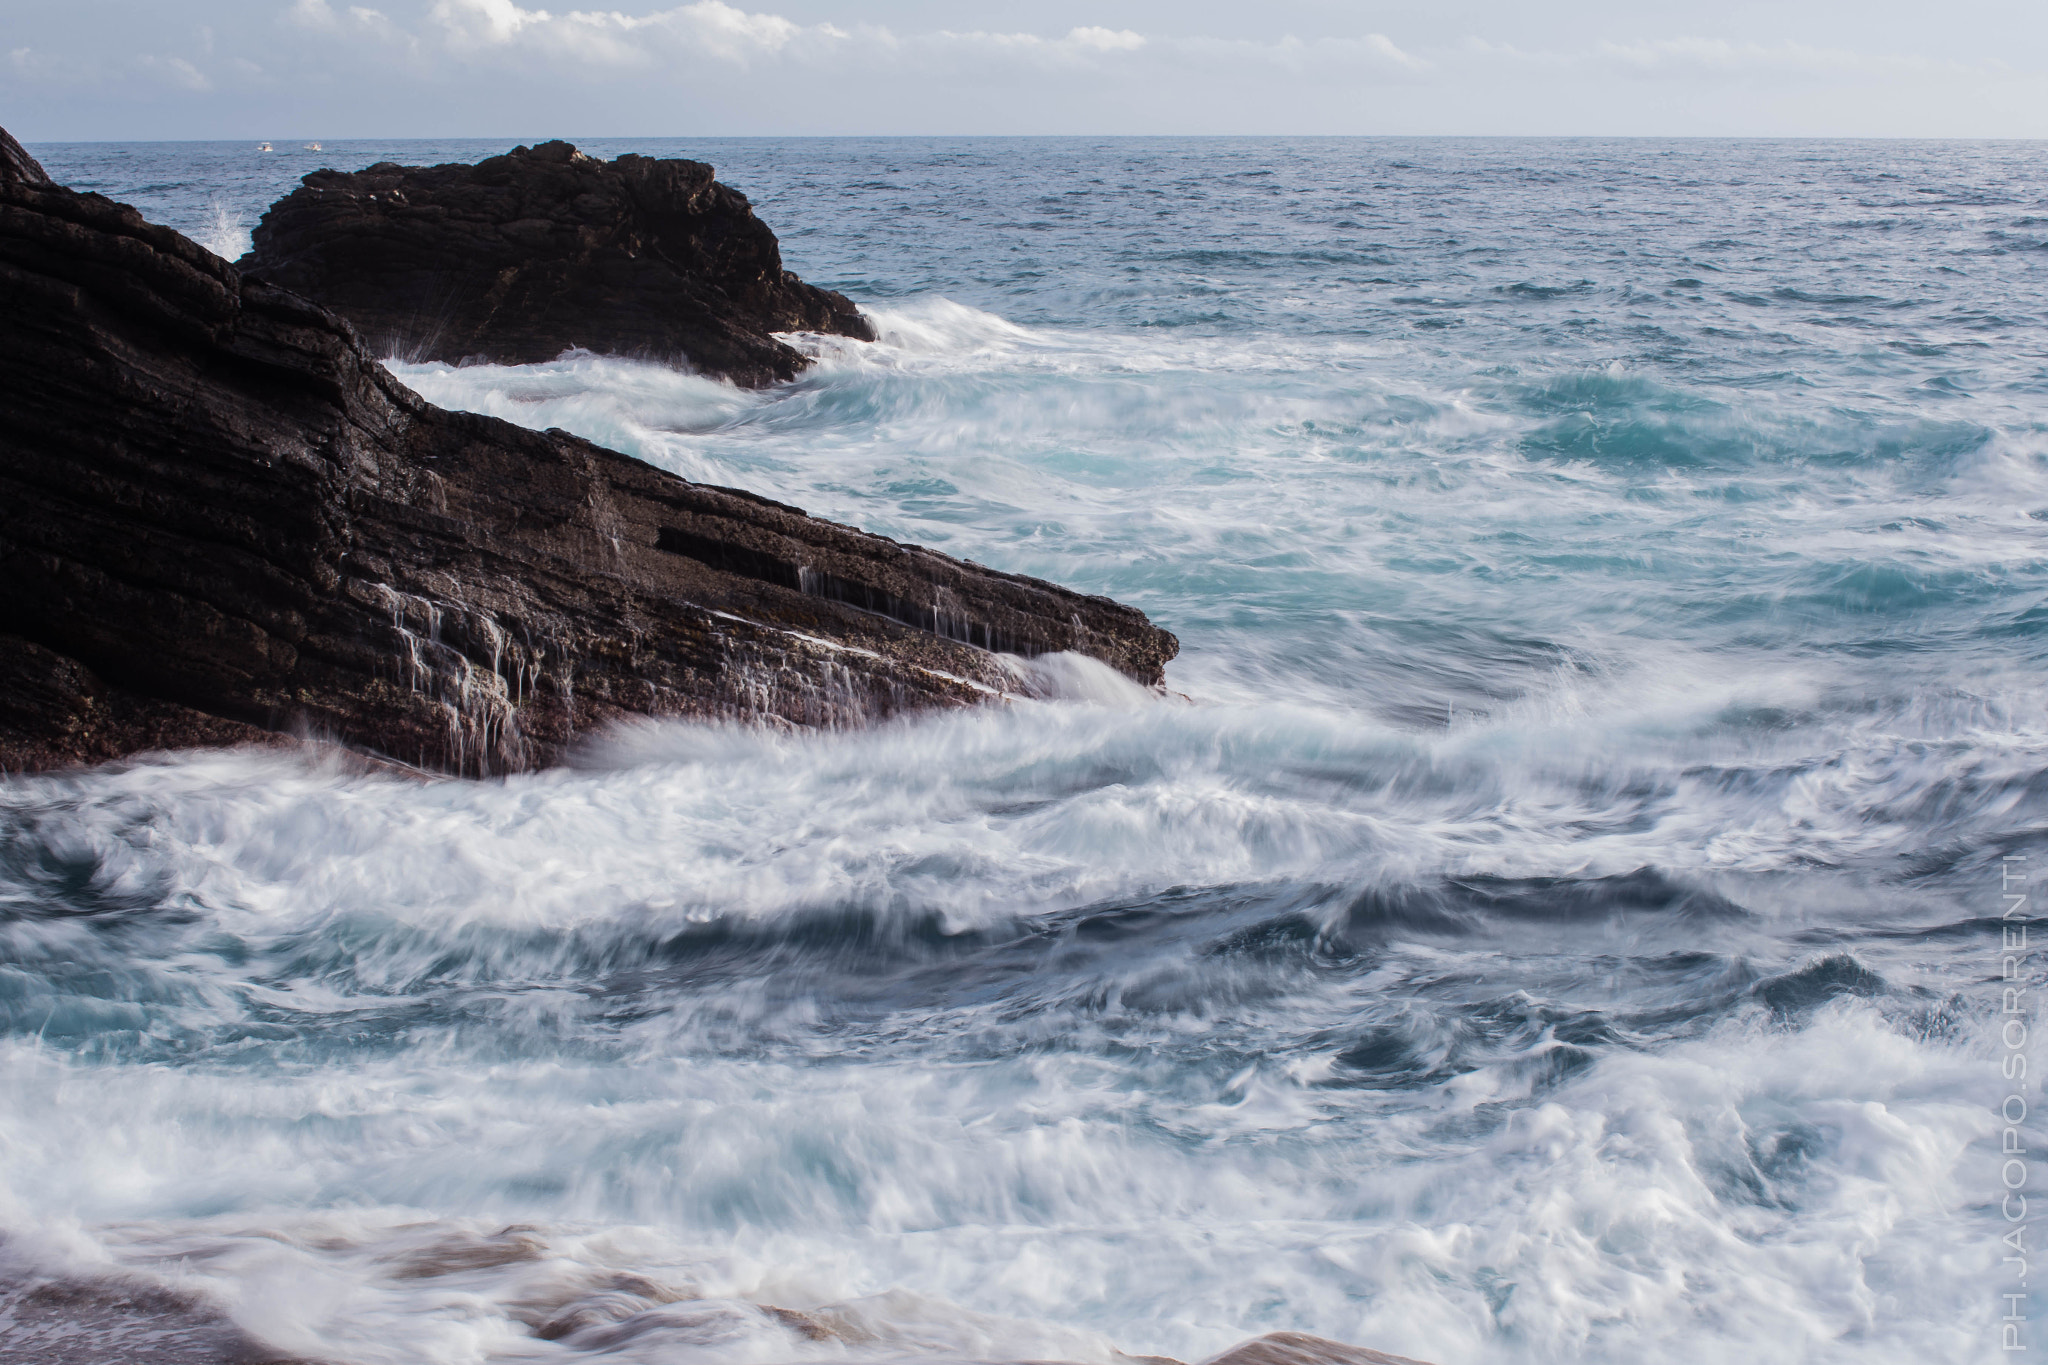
<point x="70" y="1321"/>
<point x="522" y="256"/>
<point x="1299" y="1348"/>
<point x="220" y="518"/>
<point x="76" y="1321"/>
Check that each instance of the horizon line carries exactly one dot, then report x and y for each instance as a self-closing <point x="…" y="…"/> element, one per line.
<point x="1048" y="137"/>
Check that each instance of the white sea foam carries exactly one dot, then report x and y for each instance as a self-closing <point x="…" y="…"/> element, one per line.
<point x="733" y="1146"/>
<point x="650" y="410"/>
<point x="1127" y="1156"/>
<point x="1535" y="926"/>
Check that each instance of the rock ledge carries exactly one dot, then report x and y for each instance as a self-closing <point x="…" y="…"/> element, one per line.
<point x="221" y="519"/>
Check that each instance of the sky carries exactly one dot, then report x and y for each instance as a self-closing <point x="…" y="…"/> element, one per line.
<point x="228" y="69"/>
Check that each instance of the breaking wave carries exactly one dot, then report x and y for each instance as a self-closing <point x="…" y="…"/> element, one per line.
<point x="1546" y="920"/>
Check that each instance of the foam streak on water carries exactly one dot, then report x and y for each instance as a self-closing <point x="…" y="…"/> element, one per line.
<point x="1553" y="920"/>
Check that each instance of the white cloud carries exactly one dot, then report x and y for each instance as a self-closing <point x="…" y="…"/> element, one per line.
<point x="1383" y="46"/>
<point x="1106" y="39"/>
<point x="1326" y="58"/>
<point x="361" y="22"/>
<point x="1720" y="60"/>
<point x="34" y="66"/>
<point x="735" y="30"/>
<point x="485" y="21"/>
<point x="707" y="31"/>
<point x="175" y="72"/>
<point x="713" y="31"/>
<point x="670" y="40"/>
<point x="745" y="66"/>
<point x="313" y="14"/>
<point x="1718" y="56"/>
<point x="612" y="37"/>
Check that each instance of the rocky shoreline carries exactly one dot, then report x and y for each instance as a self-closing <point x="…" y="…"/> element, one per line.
<point x="223" y="521"/>
<point x="60" y="1320"/>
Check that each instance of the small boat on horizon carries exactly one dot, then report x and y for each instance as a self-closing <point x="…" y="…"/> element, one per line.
<point x="312" y="146"/>
<point x="263" y="147"/>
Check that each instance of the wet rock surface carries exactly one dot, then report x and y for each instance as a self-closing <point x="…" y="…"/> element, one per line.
<point x="72" y="1321"/>
<point x="524" y="255"/>
<point x="221" y="519"/>
<point x="1299" y="1348"/>
<point x="56" y="1321"/>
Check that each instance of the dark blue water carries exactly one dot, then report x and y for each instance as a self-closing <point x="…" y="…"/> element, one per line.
<point x="1556" y="921"/>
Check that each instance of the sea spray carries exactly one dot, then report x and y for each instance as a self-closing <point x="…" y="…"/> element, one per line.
<point x="1546" y="920"/>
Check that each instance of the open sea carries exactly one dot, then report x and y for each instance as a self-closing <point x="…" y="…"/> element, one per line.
<point x="1553" y="918"/>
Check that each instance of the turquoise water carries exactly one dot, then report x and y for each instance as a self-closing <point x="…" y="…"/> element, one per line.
<point x="1554" y="918"/>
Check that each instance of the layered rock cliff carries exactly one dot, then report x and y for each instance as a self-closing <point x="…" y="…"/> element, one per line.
<point x="220" y="517"/>
<point x="522" y="256"/>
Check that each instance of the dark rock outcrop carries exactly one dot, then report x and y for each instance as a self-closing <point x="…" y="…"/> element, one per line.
<point x="522" y="256"/>
<point x="1299" y="1348"/>
<point x="16" y="165"/>
<point x="72" y="1321"/>
<point x="220" y="517"/>
<point x="67" y="1321"/>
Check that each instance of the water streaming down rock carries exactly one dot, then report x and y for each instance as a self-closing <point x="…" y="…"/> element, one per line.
<point x="1640" y="1009"/>
<point x="222" y="517"/>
